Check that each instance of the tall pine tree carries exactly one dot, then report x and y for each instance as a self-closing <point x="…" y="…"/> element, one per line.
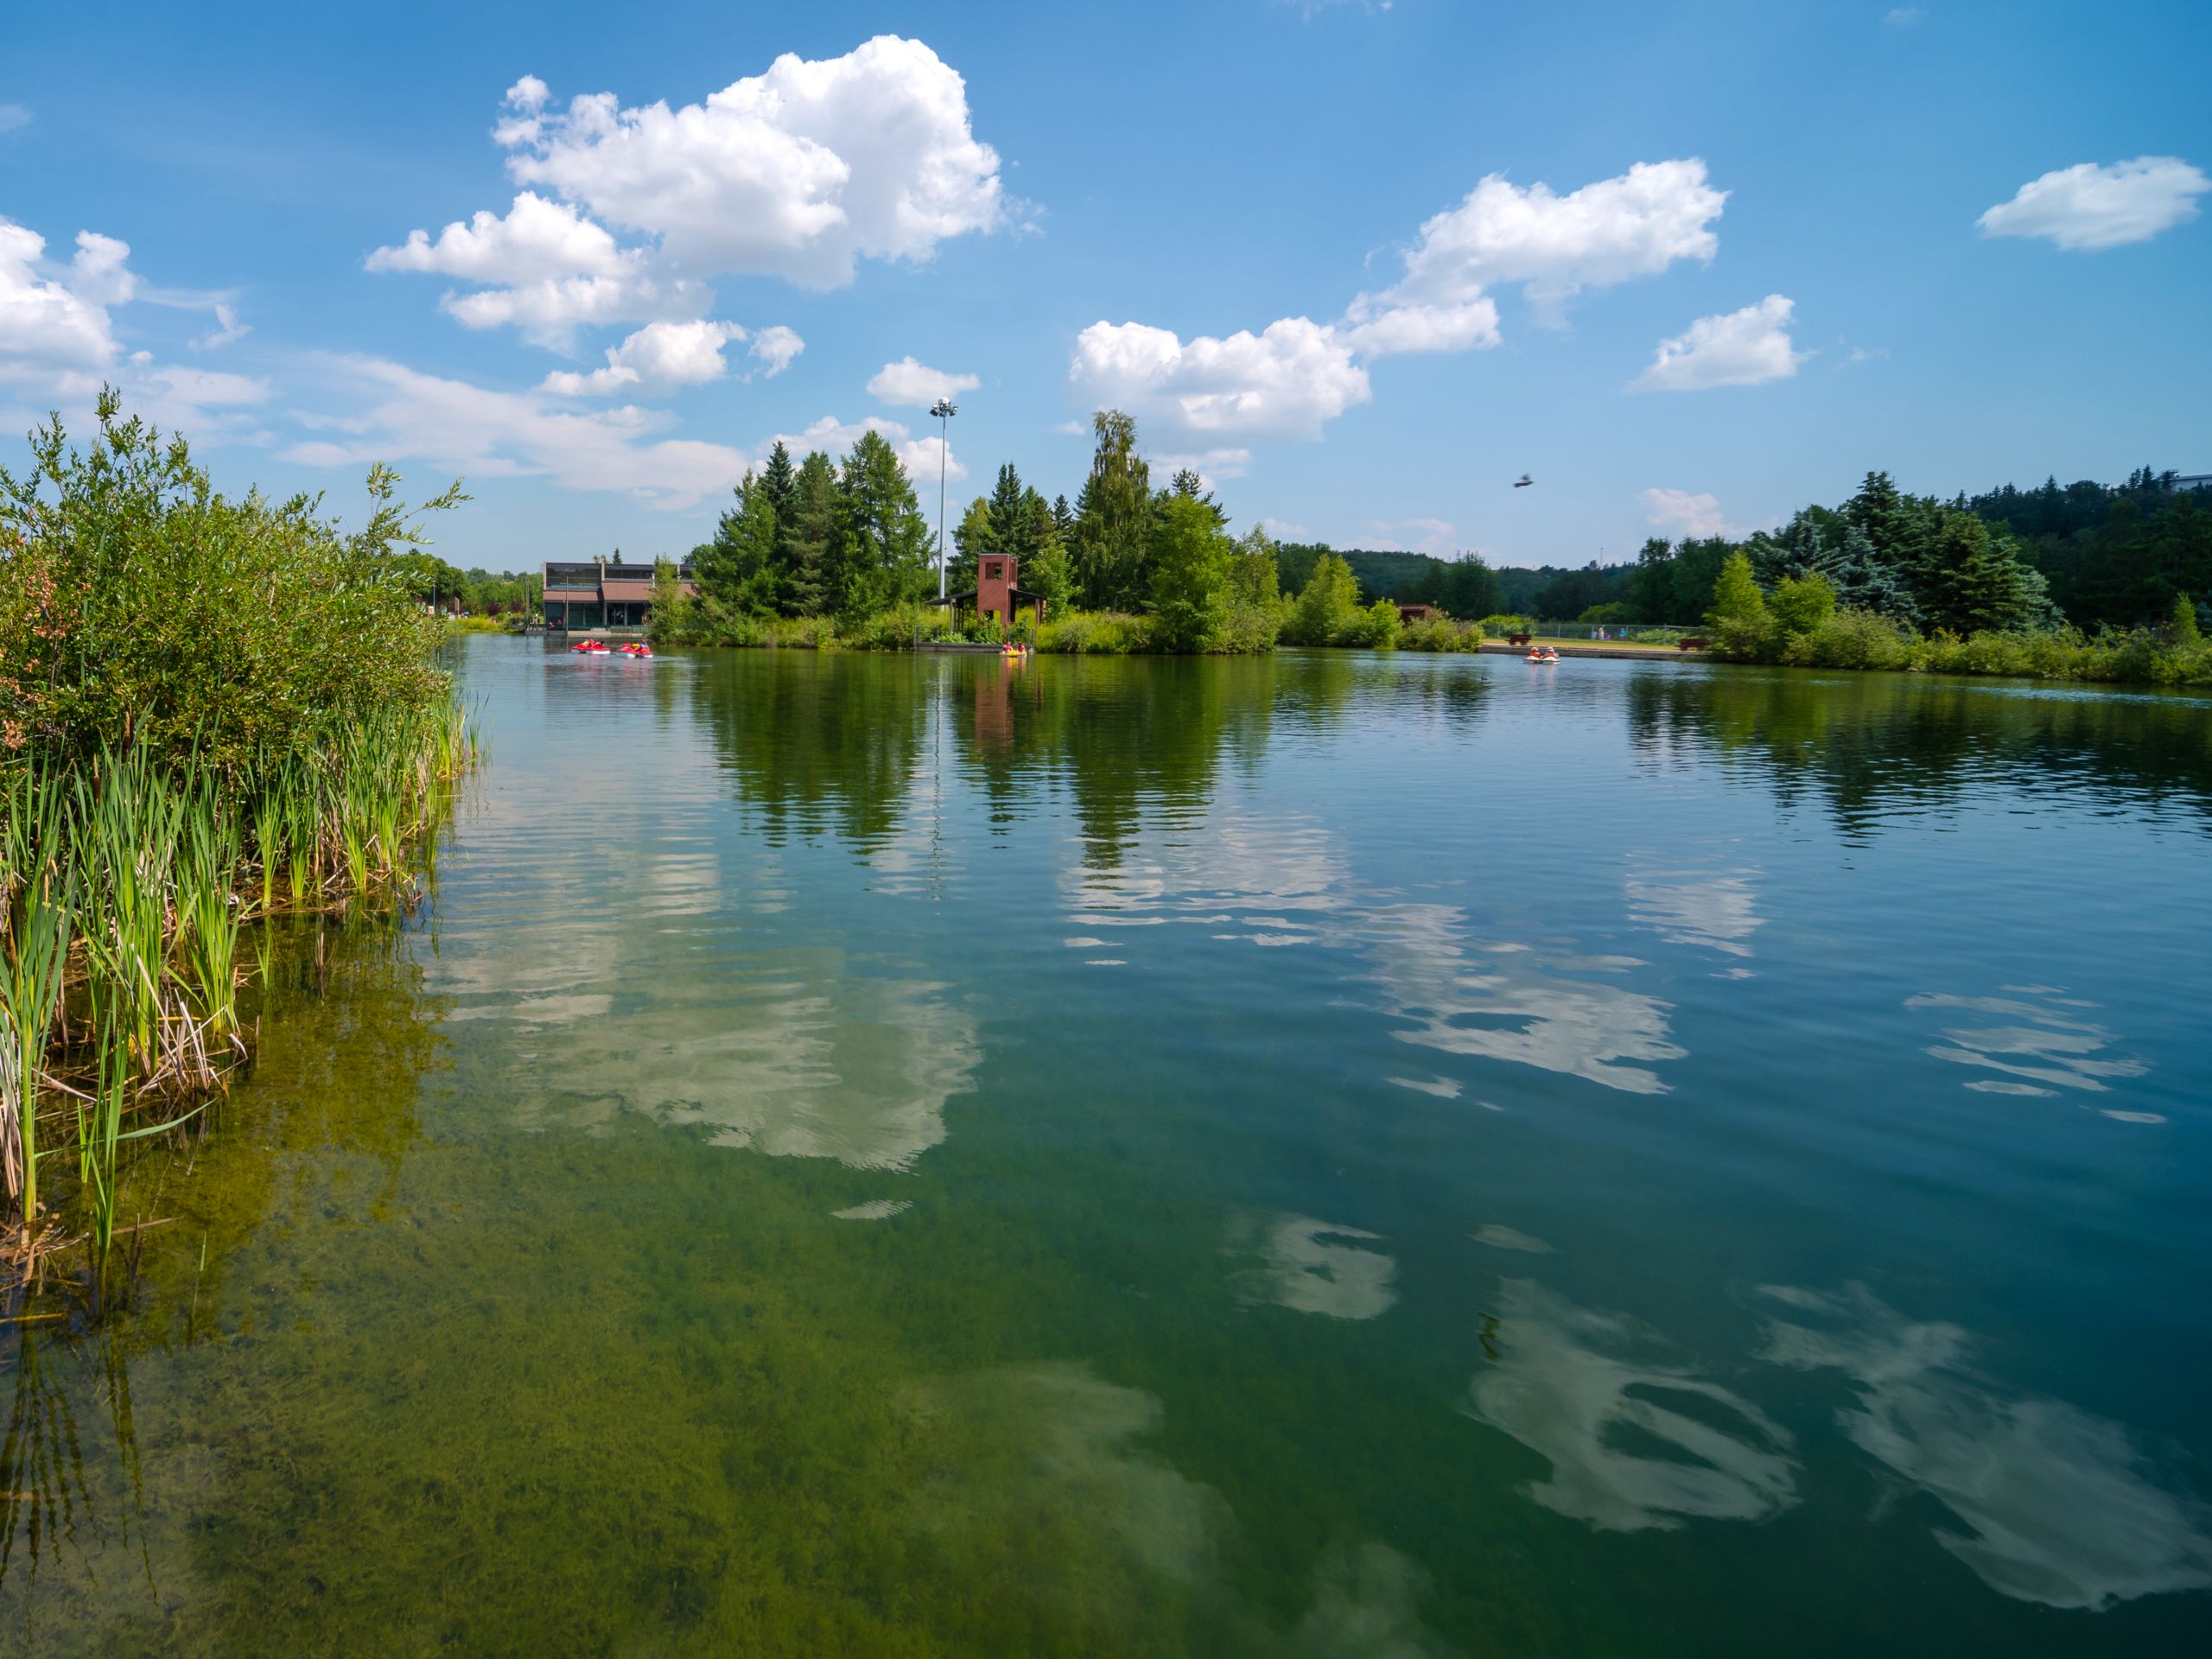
<point x="816" y="541"/>
<point x="737" y="568"/>
<point x="1113" y="523"/>
<point x="886" y="542"/>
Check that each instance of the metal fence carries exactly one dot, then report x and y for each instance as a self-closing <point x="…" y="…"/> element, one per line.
<point x="1656" y="633"/>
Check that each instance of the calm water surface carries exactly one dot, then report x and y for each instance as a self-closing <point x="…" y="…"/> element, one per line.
<point x="1338" y="1156"/>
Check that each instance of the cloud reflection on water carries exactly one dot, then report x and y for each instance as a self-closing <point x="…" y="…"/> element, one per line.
<point x="1308" y="1266"/>
<point x="1717" y="911"/>
<point x="1568" y="1385"/>
<point x="2051" y="1047"/>
<point x="2059" y="1506"/>
<point x="1283" y="882"/>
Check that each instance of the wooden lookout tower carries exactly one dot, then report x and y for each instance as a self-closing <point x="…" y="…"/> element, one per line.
<point x="998" y="591"/>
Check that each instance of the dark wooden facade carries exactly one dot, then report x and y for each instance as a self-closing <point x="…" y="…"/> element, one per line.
<point x="597" y="594"/>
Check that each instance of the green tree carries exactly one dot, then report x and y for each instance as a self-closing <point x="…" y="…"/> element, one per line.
<point x="1828" y="544"/>
<point x="1377" y="626"/>
<point x="1650" y="586"/>
<point x="1326" y="606"/>
<point x="887" y="541"/>
<point x="2186" y="632"/>
<point x="1009" y="510"/>
<point x="1252" y="569"/>
<point x="975" y="535"/>
<point x="1736" y="596"/>
<point x="1045" y="567"/>
<point x="1469" y="590"/>
<point x="1191" y="576"/>
<point x="1968" y="578"/>
<point x="779" y="479"/>
<point x="1802" y="605"/>
<point x="816" y="539"/>
<point x="1114" y="517"/>
<point x="737" y="568"/>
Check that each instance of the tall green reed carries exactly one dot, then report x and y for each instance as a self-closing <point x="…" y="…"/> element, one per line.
<point x="38" y="894"/>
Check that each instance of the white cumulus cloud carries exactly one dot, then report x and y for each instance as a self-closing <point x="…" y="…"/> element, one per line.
<point x="1679" y="512"/>
<point x="797" y="173"/>
<point x="458" y="427"/>
<point x="1290" y="379"/>
<point x="56" y="317"/>
<point x="911" y="384"/>
<point x="1283" y="382"/>
<point x="834" y="437"/>
<point x="548" y="269"/>
<point x="2086" y="207"/>
<point x="1605" y="233"/>
<point x="58" y="341"/>
<point x="536" y="240"/>
<point x="1739" y="348"/>
<point x="775" y="348"/>
<point x="663" y="356"/>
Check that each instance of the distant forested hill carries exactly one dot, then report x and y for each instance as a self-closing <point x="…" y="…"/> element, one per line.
<point x="2106" y="554"/>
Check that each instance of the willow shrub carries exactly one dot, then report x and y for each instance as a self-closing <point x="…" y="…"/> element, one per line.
<point x="1440" y="634"/>
<point x="1096" y="633"/>
<point x="139" y="605"/>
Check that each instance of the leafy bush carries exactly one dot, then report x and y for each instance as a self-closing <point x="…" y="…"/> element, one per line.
<point x="1096" y="634"/>
<point x="139" y="605"/>
<point x="897" y="628"/>
<point x="1375" y="627"/>
<point x="1440" y="634"/>
<point x="1327" y="608"/>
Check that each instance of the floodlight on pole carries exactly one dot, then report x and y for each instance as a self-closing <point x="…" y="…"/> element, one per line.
<point x="945" y="408"/>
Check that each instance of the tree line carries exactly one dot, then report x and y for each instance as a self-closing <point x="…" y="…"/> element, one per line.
<point x="845" y="542"/>
<point x="2106" y="555"/>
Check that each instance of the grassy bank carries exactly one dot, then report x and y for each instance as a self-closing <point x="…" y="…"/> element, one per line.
<point x="212" y="712"/>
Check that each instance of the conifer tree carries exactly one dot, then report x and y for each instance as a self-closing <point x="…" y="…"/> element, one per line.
<point x="779" y="479"/>
<point x="1969" y="578"/>
<point x="816" y="540"/>
<point x="1009" y="513"/>
<point x="737" y="568"/>
<point x="884" y="552"/>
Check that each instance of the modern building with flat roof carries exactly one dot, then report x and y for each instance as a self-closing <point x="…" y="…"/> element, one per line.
<point x="597" y="594"/>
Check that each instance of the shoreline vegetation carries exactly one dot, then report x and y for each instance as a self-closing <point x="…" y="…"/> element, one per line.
<point x="1895" y="581"/>
<point x="817" y="554"/>
<point x="220" y="721"/>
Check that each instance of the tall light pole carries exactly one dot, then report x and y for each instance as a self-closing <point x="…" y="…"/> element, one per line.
<point x="945" y="408"/>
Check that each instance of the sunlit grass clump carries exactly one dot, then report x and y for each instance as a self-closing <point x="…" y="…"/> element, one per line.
<point x="211" y="712"/>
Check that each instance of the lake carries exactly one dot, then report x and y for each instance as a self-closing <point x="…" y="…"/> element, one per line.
<point x="1332" y="1155"/>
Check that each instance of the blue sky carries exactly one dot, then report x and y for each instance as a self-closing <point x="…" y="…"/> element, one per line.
<point x="1690" y="266"/>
